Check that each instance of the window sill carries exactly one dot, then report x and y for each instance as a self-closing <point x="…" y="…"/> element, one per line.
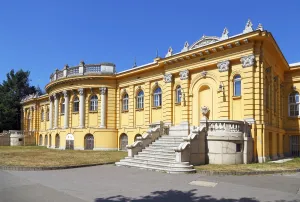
<point x="177" y="103"/>
<point x="236" y="97"/>
<point x="125" y="111"/>
<point x="141" y="109"/>
<point x="62" y="114"/>
<point x="75" y="112"/>
<point x="158" y="107"/>
<point x="293" y="117"/>
<point x="93" y="112"/>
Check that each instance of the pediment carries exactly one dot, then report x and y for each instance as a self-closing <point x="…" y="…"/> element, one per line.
<point x="204" y="41"/>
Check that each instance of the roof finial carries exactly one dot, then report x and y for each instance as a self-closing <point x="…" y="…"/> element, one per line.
<point x="134" y="65"/>
<point x="260" y="27"/>
<point x="225" y="34"/>
<point x="185" y="47"/>
<point x="157" y="53"/>
<point x="170" y="52"/>
<point x="248" y="27"/>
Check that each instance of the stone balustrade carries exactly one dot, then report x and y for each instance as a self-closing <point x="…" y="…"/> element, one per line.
<point x="84" y="69"/>
<point x="226" y="128"/>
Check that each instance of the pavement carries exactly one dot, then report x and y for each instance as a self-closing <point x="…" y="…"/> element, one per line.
<point x="110" y="183"/>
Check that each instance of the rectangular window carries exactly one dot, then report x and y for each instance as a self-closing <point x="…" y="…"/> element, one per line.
<point x="140" y="104"/>
<point x="94" y="106"/>
<point x="62" y="108"/>
<point x="157" y="100"/>
<point x="76" y="107"/>
<point x="125" y="104"/>
<point x="238" y="147"/>
<point x="237" y="88"/>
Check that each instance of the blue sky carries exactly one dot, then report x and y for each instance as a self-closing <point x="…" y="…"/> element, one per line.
<point x="40" y="35"/>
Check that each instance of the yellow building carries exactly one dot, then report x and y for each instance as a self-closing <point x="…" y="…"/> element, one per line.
<point x="241" y="77"/>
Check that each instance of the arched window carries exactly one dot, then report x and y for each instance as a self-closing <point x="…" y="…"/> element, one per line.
<point x="42" y="115"/>
<point x="76" y="104"/>
<point x="57" y="141"/>
<point x="136" y="136"/>
<point x="294" y="104"/>
<point x="237" y="85"/>
<point x="140" y="100"/>
<point x="70" y="141"/>
<point x="62" y="108"/>
<point x="47" y="115"/>
<point x="125" y="102"/>
<point x="94" y="103"/>
<point x="178" y="94"/>
<point x="157" y="97"/>
<point x="89" y="142"/>
<point x="41" y="140"/>
<point x="46" y="140"/>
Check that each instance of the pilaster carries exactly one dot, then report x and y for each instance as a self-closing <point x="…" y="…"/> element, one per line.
<point x="167" y="99"/>
<point x="224" y="89"/>
<point x="81" y="107"/>
<point x="185" y="83"/>
<point x="147" y="102"/>
<point x="103" y="91"/>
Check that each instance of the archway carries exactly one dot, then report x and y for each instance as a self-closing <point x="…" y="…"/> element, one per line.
<point x="50" y="140"/>
<point x="89" y="142"/>
<point x="41" y="140"/>
<point x="46" y="140"/>
<point x="57" y="141"/>
<point x="123" y="141"/>
<point x="70" y="141"/>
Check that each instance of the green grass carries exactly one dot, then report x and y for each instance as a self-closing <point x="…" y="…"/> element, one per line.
<point x="35" y="156"/>
<point x="293" y="164"/>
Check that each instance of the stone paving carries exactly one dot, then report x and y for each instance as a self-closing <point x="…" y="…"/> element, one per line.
<point x="110" y="183"/>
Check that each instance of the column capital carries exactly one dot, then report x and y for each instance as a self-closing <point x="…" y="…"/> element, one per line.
<point x="55" y="96"/>
<point x="65" y="93"/>
<point x="81" y="91"/>
<point x="184" y="74"/>
<point x="103" y="90"/>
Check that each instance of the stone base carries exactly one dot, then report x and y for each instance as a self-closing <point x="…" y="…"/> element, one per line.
<point x="281" y="156"/>
<point x="263" y="159"/>
<point x="274" y="157"/>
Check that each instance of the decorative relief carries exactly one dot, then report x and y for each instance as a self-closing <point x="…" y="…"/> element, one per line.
<point x="248" y="61"/>
<point x="184" y="74"/>
<point x="170" y="52"/>
<point x="103" y="90"/>
<point x="65" y="93"/>
<point x="225" y="34"/>
<point x="168" y="78"/>
<point x="185" y="47"/>
<point x="260" y="27"/>
<point x="204" y="111"/>
<point x="203" y="73"/>
<point x="223" y="66"/>
<point x="55" y="96"/>
<point x="81" y="91"/>
<point x="156" y="83"/>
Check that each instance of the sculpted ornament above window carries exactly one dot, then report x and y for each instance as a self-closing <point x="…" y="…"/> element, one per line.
<point x="102" y="90"/>
<point x="184" y="74"/>
<point x="248" y="61"/>
<point x="223" y="66"/>
<point x="168" y="78"/>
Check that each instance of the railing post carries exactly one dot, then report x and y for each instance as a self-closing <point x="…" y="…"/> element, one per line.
<point x="81" y="68"/>
<point x="65" y="71"/>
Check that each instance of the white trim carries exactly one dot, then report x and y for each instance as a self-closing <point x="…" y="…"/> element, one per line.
<point x="294" y="64"/>
<point x="138" y="67"/>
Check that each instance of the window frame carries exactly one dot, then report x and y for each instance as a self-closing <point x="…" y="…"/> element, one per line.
<point x="62" y="106"/>
<point x="76" y="104"/>
<point x="294" y="103"/>
<point x="235" y="82"/>
<point x="178" y="95"/>
<point x="94" y="103"/>
<point x="140" y="100"/>
<point x="125" y="102"/>
<point x="157" y="97"/>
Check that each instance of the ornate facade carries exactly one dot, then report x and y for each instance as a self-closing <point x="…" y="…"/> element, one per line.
<point x="242" y="77"/>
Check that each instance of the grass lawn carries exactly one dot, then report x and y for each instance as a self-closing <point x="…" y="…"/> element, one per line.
<point x="36" y="156"/>
<point x="293" y="164"/>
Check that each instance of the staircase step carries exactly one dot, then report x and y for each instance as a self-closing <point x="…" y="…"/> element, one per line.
<point x="160" y="158"/>
<point x="159" y="150"/>
<point x="153" y="161"/>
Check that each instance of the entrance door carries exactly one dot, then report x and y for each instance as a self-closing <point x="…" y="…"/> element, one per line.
<point x="294" y="145"/>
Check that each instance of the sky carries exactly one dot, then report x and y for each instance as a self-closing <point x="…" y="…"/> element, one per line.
<point x="42" y="35"/>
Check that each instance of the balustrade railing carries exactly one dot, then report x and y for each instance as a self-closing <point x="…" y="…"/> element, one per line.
<point x="93" y="69"/>
<point x="60" y="74"/>
<point x="73" y="71"/>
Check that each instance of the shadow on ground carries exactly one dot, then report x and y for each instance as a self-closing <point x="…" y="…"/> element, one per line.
<point x="172" y="196"/>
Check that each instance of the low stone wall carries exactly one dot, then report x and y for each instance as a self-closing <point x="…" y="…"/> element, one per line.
<point x="4" y="139"/>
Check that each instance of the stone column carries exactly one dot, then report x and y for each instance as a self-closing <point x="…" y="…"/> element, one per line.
<point x="103" y="107"/>
<point x="81" y="107"/>
<point x="55" y="96"/>
<point x="66" y="121"/>
<point x="50" y="113"/>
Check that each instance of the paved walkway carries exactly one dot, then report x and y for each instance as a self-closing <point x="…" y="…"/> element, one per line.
<point x="111" y="183"/>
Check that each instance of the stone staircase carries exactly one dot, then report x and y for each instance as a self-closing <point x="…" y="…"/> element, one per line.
<point x="160" y="156"/>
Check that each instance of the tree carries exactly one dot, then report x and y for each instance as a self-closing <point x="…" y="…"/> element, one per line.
<point x="12" y="90"/>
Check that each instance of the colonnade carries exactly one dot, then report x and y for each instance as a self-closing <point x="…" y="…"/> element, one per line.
<point x="54" y="100"/>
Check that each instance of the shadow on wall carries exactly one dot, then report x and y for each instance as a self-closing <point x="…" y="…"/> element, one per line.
<point x="172" y="196"/>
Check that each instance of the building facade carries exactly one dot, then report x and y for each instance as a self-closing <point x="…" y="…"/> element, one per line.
<point x="241" y="77"/>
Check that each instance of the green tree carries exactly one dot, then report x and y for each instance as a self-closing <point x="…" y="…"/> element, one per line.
<point x="12" y="90"/>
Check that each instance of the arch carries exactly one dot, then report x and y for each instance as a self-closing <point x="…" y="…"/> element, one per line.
<point x="237" y="85"/>
<point x="140" y="99"/>
<point x="70" y="141"/>
<point x="46" y="140"/>
<point x="123" y="141"/>
<point x="41" y="140"/>
<point x="199" y="77"/>
<point x="57" y="141"/>
<point x="89" y="142"/>
<point x="136" y="136"/>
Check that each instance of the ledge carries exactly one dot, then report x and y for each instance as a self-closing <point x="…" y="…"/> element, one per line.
<point x="236" y="97"/>
<point x="156" y="107"/>
<point x="141" y="109"/>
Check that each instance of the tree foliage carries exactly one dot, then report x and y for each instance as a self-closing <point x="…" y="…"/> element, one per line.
<point x="12" y="90"/>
